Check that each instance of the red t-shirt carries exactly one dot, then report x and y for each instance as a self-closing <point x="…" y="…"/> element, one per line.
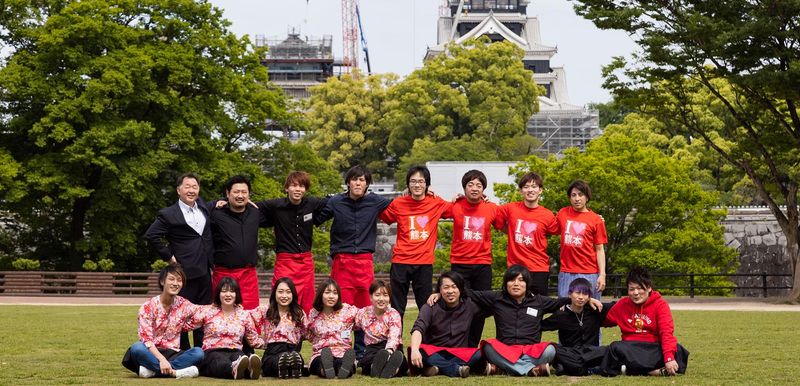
<point x="472" y="231"/>
<point x="527" y="231"/>
<point x="580" y="232"/>
<point x="417" y="227"/>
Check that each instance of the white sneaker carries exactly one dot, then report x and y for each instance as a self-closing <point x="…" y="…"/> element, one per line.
<point x="189" y="372"/>
<point x="144" y="372"/>
<point x="623" y="370"/>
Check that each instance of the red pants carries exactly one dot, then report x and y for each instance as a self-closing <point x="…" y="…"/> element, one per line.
<point x="248" y="283"/>
<point x="300" y="268"/>
<point x="354" y="274"/>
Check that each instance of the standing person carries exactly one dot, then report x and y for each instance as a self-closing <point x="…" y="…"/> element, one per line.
<point x="471" y="250"/>
<point x="226" y="324"/>
<point x="294" y="217"/>
<point x="161" y="319"/>
<point x="583" y="234"/>
<point x="528" y="224"/>
<point x="578" y="328"/>
<point x="282" y="324"/>
<point x="417" y="216"/>
<point x="440" y="336"/>
<point x="235" y="231"/>
<point x="353" y="233"/>
<point x="383" y="329"/>
<point x="181" y="234"/>
<point x="648" y="345"/>
<point x="329" y="329"/>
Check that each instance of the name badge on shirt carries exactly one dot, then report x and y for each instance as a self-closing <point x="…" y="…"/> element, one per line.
<point x="308" y="216"/>
<point x="533" y="312"/>
<point x="346" y="334"/>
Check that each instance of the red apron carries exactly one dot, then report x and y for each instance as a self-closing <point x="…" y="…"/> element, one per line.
<point x="354" y="274"/>
<point x="248" y="283"/>
<point x="300" y="268"/>
<point x="463" y="353"/>
<point x="514" y="352"/>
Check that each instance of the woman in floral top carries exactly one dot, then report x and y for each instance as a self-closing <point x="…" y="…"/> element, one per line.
<point x="330" y="330"/>
<point x="382" y="334"/>
<point x="282" y="325"/>
<point x="225" y="323"/>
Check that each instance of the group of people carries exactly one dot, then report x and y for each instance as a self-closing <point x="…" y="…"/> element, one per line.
<point x="351" y="319"/>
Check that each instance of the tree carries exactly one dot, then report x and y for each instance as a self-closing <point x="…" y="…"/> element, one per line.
<point x="344" y="121"/>
<point x="655" y="215"/>
<point x="477" y="91"/>
<point x="104" y="102"/>
<point x="720" y="69"/>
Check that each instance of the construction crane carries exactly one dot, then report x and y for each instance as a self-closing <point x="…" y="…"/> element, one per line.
<point x="363" y="41"/>
<point x="349" y="35"/>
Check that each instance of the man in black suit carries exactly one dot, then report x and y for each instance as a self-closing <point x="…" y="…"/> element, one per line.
<point x="182" y="234"/>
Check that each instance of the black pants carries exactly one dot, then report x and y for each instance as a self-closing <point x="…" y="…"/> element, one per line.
<point x="197" y="291"/>
<point x="315" y="367"/>
<point x="639" y="358"/>
<point x="269" y="363"/>
<point x="417" y="276"/>
<point x="477" y="277"/>
<point x="539" y="282"/>
<point x="217" y="363"/>
<point x="366" y="362"/>
<point x="578" y="360"/>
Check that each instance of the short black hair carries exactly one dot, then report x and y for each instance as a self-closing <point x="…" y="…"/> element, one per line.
<point x="640" y="276"/>
<point x="473" y="175"/>
<point x="321" y="290"/>
<point x="582" y="187"/>
<point x="426" y="174"/>
<point x="184" y="176"/>
<point x="581" y="285"/>
<point x="512" y="272"/>
<point x="530" y="177"/>
<point x="173" y="268"/>
<point x="358" y="171"/>
<point x="238" y="179"/>
<point x="456" y="278"/>
<point x="231" y="283"/>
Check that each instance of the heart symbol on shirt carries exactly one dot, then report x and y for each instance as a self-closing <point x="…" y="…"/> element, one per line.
<point x="422" y="220"/>
<point x="578" y="227"/>
<point x="529" y="227"/>
<point x="477" y="223"/>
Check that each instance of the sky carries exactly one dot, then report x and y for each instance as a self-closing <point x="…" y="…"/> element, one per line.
<point x="398" y="33"/>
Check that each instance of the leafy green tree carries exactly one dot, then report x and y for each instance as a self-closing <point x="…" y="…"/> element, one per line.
<point x="655" y="215"/>
<point x="104" y="102"/>
<point x="345" y="124"/>
<point x="477" y="91"/>
<point x="720" y="69"/>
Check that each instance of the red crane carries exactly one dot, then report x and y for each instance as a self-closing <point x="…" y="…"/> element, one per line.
<point x="349" y="35"/>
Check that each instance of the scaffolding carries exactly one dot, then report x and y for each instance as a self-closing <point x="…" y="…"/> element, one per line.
<point x="561" y="129"/>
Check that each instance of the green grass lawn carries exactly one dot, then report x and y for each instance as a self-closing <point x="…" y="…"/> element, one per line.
<point x="84" y="345"/>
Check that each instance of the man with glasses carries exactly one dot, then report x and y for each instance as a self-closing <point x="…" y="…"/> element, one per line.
<point x="417" y="215"/>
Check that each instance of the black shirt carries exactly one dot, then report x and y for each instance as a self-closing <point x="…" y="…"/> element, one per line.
<point x="294" y="224"/>
<point x="517" y="323"/>
<point x="236" y="236"/>
<point x="446" y="327"/>
<point x="570" y="331"/>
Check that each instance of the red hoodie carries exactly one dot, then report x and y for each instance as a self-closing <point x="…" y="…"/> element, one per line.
<point x="650" y="322"/>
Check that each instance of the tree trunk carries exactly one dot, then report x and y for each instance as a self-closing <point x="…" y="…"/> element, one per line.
<point x="76" y="235"/>
<point x="793" y="254"/>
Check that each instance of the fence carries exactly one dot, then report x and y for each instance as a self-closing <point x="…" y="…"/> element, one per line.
<point x="137" y="284"/>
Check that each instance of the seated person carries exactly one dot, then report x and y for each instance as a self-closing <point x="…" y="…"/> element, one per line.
<point x="282" y="325"/>
<point x="648" y="345"/>
<point x="439" y="338"/>
<point x="578" y="332"/>
<point x="161" y="320"/>
<point x="382" y="329"/>
<point x="225" y="324"/>
<point x="330" y="331"/>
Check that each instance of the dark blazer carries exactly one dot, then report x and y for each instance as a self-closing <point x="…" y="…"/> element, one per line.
<point x="171" y="236"/>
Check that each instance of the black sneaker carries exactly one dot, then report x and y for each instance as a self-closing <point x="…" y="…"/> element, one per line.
<point x="284" y="364"/>
<point x="348" y="364"/>
<point x="296" y="364"/>
<point x="379" y="363"/>
<point x="326" y="359"/>
<point x="395" y="360"/>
